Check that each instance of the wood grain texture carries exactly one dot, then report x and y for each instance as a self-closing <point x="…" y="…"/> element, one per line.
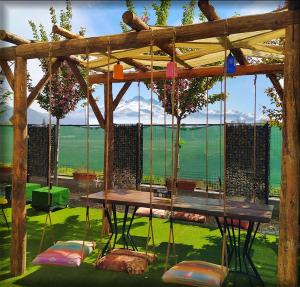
<point x="192" y="73"/>
<point x="18" y="235"/>
<point x="65" y="33"/>
<point x="8" y="73"/>
<point x="290" y="179"/>
<point x="268" y="21"/>
<point x="206" y="206"/>
<point x="12" y="38"/>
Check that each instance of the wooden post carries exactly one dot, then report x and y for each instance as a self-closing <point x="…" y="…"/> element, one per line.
<point x="18" y="243"/>
<point x="109" y="135"/>
<point x="289" y="196"/>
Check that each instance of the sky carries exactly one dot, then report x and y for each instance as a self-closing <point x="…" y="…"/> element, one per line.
<point x="103" y="18"/>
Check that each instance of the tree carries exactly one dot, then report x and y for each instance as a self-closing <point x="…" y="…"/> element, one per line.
<point x="189" y="94"/>
<point x="66" y="92"/>
<point x="4" y="96"/>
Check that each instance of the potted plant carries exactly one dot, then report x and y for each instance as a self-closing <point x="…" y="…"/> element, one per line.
<point x="182" y="184"/>
<point x="82" y="174"/>
<point x="5" y="169"/>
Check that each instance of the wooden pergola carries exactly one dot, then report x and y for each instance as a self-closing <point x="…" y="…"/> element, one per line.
<point x="244" y="36"/>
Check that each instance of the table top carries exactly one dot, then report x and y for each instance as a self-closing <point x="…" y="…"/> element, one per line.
<point x="207" y="206"/>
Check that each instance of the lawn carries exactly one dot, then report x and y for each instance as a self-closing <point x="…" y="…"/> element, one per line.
<point x="193" y="242"/>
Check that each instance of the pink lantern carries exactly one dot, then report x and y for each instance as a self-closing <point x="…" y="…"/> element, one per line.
<point x="172" y="70"/>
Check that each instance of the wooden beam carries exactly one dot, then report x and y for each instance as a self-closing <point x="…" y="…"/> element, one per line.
<point x="138" y="24"/>
<point x="121" y="95"/>
<point x="290" y="175"/>
<point x="276" y="84"/>
<point x="41" y="84"/>
<point x="83" y="85"/>
<point x="8" y="73"/>
<point x="192" y="73"/>
<point x="18" y="234"/>
<point x="268" y="21"/>
<point x="12" y="38"/>
<point x="135" y="64"/>
<point x="209" y="12"/>
<point x="109" y="136"/>
<point x="65" y="33"/>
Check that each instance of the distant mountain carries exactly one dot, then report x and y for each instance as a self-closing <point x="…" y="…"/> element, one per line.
<point x="127" y="112"/>
<point x="33" y="117"/>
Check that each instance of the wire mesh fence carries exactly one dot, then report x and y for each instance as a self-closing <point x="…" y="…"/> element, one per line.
<point x="192" y="154"/>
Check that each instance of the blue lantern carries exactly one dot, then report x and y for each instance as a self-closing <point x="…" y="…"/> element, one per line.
<point x="230" y="64"/>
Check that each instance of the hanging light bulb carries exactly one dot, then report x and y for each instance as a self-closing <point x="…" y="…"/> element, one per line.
<point x="172" y="70"/>
<point x="230" y="64"/>
<point x="118" y="72"/>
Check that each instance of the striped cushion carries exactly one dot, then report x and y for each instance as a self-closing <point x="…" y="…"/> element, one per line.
<point x="196" y="273"/>
<point x="64" y="253"/>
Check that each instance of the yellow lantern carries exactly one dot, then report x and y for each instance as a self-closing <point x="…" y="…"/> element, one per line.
<point x="118" y="72"/>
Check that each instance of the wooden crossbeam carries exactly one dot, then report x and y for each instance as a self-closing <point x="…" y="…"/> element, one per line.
<point x="12" y="38"/>
<point x="211" y="15"/>
<point x="83" y="85"/>
<point x="191" y="73"/>
<point x="65" y="33"/>
<point x="268" y="21"/>
<point x="8" y="73"/>
<point x="120" y="95"/>
<point x="138" y="24"/>
<point x="40" y="85"/>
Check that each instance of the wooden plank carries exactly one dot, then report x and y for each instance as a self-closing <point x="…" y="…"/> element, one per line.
<point x="290" y="178"/>
<point x="18" y="234"/>
<point x="12" y="38"/>
<point x="192" y="73"/>
<point x="138" y="24"/>
<point x="268" y="21"/>
<point x="120" y="95"/>
<point x="200" y="205"/>
<point x="83" y="85"/>
<point x="8" y="73"/>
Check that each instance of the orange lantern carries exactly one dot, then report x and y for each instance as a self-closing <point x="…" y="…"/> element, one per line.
<point x="118" y="72"/>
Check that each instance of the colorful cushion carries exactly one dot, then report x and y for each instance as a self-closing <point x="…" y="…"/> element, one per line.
<point x="3" y="200"/>
<point x="150" y="257"/>
<point x="190" y="217"/>
<point x="196" y="273"/>
<point x="123" y="262"/>
<point x="64" y="253"/>
<point x="158" y="213"/>
<point x="244" y="224"/>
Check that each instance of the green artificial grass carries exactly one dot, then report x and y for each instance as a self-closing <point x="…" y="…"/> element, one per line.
<point x="192" y="242"/>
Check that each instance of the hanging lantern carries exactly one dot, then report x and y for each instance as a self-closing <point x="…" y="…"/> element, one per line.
<point x="118" y="72"/>
<point x="230" y="64"/>
<point x="172" y="70"/>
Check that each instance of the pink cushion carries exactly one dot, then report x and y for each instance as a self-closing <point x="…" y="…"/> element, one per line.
<point x="158" y="213"/>
<point x="244" y="224"/>
<point x="190" y="217"/>
<point x="64" y="253"/>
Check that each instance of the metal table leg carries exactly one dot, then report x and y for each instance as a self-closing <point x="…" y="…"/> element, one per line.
<point x="111" y="227"/>
<point x="125" y="244"/>
<point x="128" y="230"/>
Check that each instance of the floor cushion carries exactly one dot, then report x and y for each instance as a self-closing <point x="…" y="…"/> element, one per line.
<point x="121" y="261"/>
<point x="158" y="213"/>
<point x="64" y="253"/>
<point x="150" y="257"/>
<point x="244" y="224"/>
<point x="190" y="217"/>
<point x="196" y="273"/>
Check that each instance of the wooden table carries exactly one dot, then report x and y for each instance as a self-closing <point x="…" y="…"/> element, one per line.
<point x="254" y="213"/>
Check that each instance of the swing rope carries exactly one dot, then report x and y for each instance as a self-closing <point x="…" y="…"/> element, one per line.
<point x="138" y="181"/>
<point x="48" y="215"/>
<point x="150" y="225"/>
<point x="206" y="139"/>
<point x="165" y="128"/>
<point x="220" y="146"/>
<point x="171" y="238"/>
